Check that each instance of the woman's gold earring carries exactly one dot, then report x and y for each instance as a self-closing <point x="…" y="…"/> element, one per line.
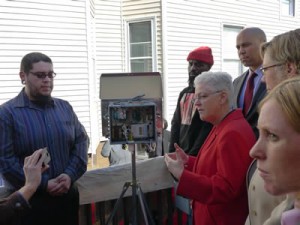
<point x="23" y="82"/>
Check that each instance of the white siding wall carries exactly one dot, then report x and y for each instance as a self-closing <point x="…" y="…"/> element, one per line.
<point x="86" y="38"/>
<point x="111" y="17"/>
<point x="135" y="10"/>
<point x="191" y="23"/>
<point x="56" y="28"/>
<point x="109" y="48"/>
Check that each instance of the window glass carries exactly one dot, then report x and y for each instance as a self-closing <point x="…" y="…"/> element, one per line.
<point x="141" y="65"/>
<point x="140" y="36"/>
<point x="140" y="32"/>
<point x="140" y="49"/>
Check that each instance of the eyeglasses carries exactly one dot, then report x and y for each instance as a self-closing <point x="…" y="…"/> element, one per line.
<point x="203" y="97"/>
<point x="263" y="69"/>
<point x="42" y="75"/>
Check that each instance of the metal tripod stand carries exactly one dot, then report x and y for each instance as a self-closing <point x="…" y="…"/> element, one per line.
<point x="136" y="193"/>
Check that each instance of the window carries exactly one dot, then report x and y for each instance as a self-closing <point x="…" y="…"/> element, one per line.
<point x="287" y="7"/>
<point x="231" y="62"/>
<point x="141" y="46"/>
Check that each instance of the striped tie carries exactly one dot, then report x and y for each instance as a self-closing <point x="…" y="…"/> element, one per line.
<point x="249" y="92"/>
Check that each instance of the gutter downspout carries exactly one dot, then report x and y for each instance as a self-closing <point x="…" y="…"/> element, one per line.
<point x="164" y="33"/>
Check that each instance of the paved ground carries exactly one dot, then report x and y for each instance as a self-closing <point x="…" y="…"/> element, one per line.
<point x="98" y="161"/>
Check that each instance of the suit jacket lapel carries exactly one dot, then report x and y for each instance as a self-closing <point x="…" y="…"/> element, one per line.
<point x="239" y="86"/>
<point x="258" y="96"/>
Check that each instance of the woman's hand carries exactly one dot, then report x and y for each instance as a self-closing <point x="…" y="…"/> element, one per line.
<point x="184" y="157"/>
<point x="176" y="161"/>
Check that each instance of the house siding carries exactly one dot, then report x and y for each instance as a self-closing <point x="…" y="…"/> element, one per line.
<point x="56" y="28"/>
<point x="109" y="47"/>
<point x="189" y="24"/>
<point x="144" y="9"/>
<point x="86" y="38"/>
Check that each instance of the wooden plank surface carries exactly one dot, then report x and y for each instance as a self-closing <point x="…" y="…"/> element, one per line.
<point x="107" y="183"/>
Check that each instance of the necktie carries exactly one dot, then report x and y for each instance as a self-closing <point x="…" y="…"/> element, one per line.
<point x="249" y="92"/>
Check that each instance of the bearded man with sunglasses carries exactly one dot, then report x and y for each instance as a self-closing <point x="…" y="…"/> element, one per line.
<point x="33" y="120"/>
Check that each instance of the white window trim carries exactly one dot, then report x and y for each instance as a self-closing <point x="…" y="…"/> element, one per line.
<point x="287" y="16"/>
<point x="241" y="26"/>
<point x="154" y="42"/>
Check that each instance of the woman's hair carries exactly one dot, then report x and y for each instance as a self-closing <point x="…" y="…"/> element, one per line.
<point x="33" y="57"/>
<point x="218" y="81"/>
<point x="287" y="95"/>
<point x="284" y="48"/>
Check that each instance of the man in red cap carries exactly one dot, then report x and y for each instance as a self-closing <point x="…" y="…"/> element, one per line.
<point x="187" y="129"/>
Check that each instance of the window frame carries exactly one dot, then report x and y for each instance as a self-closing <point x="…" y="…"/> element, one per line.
<point x="292" y="8"/>
<point x="152" y="21"/>
<point x="241" y="68"/>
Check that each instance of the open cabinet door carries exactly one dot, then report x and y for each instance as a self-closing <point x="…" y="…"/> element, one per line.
<point x="133" y="95"/>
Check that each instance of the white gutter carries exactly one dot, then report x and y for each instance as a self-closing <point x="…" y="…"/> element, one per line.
<point x="164" y="33"/>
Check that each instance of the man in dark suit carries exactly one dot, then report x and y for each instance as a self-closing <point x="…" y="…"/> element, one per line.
<point x="248" y="43"/>
<point x="281" y="61"/>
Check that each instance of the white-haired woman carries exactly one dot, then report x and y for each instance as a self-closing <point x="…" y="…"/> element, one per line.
<point x="215" y="179"/>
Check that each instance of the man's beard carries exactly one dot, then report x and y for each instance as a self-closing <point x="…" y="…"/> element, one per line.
<point x="42" y="99"/>
<point x="191" y="79"/>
